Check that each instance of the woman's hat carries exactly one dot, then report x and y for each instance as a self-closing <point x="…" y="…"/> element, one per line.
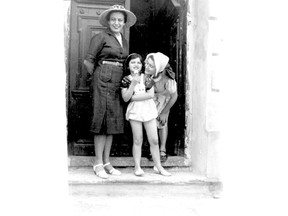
<point x="131" y="18"/>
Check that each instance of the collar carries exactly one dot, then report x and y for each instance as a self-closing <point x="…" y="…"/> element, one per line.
<point x="158" y="78"/>
<point x="109" y="32"/>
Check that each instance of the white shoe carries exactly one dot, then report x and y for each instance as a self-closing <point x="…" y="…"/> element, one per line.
<point x="139" y="172"/>
<point x="162" y="171"/>
<point x="111" y="170"/>
<point x="99" y="171"/>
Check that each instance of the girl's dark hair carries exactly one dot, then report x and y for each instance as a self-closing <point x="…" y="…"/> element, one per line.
<point x="128" y="59"/>
<point x="109" y="14"/>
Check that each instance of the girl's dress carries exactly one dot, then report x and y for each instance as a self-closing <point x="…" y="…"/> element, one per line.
<point x="141" y="110"/>
<point x="162" y="95"/>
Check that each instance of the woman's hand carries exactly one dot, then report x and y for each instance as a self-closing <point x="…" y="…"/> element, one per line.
<point x="89" y="66"/>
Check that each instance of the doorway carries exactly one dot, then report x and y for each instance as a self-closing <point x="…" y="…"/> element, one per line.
<point x="159" y="28"/>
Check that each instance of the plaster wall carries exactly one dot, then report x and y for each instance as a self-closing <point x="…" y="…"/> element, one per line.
<point x="202" y="93"/>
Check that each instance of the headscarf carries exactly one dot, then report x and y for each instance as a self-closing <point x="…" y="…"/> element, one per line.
<point x="161" y="64"/>
<point x="160" y="61"/>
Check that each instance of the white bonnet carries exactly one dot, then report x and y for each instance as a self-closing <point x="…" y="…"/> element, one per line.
<point x="160" y="61"/>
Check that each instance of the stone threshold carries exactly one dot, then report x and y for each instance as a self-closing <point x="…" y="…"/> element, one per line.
<point x="87" y="161"/>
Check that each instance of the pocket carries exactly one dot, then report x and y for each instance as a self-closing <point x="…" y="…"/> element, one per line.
<point x="105" y="73"/>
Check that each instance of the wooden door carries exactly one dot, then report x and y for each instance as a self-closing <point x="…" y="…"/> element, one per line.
<point x="84" y="24"/>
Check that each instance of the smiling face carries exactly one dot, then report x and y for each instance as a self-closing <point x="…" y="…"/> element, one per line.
<point x="150" y="66"/>
<point x="116" y="22"/>
<point x="135" y="66"/>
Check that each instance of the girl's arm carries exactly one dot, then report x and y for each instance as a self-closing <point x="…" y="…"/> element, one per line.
<point x="171" y="86"/>
<point x="128" y="92"/>
<point x="170" y="103"/>
<point x="163" y="116"/>
<point x="143" y="96"/>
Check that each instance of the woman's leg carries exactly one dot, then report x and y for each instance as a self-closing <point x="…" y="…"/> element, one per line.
<point x="107" y="148"/>
<point x="99" y="144"/>
<point x="137" y="132"/>
<point x="152" y="135"/>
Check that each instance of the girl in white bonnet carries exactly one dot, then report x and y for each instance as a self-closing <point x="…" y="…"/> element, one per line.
<point x="165" y="96"/>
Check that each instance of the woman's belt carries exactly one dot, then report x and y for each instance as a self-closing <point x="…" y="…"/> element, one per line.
<point x="112" y="63"/>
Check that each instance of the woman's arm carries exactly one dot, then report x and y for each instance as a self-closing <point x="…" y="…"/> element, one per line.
<point x="143" y="96"/>
<point x="95" y="46"/>
<point x="89" y="66"/>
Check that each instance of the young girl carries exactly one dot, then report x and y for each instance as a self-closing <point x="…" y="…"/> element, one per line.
<point x="141" y="111"/>
<point x="165" y="88"/>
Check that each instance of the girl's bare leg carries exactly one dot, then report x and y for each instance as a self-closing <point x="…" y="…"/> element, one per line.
<point x="137" y="132"/>
<point x="152" y="135"/>
<point x="163" y="134"/>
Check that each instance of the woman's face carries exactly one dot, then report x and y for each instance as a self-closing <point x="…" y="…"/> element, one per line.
<point x="150" y="67"/>
<point x="116" y="22"/>
<point x="135" y="66"/>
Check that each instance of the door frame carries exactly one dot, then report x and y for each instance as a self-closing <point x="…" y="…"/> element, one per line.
<point x="199" y="150"/>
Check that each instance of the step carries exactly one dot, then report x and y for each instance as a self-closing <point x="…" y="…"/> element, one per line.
<point x="84" y="178"/>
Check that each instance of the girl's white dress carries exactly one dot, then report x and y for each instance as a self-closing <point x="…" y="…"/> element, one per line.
<point x="141" y="110"/>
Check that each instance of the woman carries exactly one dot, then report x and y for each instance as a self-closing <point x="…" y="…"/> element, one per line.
<point x="104" y="61"/>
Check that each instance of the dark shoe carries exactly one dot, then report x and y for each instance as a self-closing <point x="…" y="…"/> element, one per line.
<point x="149" y="157"/>
<point x="163" y="156"/>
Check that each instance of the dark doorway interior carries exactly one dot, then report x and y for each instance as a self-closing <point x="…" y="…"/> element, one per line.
<point x="158" y="30"/>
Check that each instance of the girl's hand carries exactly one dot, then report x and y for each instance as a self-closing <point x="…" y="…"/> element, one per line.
<point x="162" y="118"/>
<point x="136" y="79"/>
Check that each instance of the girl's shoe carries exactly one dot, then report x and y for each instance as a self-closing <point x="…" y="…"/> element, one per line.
<point x="163" y="156"/>
<point x="111" y="170"/>
<point x="149" y="157"/>
<point x="139" y="172"/>
<point x="162" y="171"/>
<point x="99" y="171"/>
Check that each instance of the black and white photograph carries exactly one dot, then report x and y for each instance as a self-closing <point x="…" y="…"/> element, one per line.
<point x="138" y="107"/>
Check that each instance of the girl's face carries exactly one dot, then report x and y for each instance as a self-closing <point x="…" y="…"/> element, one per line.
<point x="116" y="22"/>
<point x="135" y="66"/>
<point x="150" y="67"/>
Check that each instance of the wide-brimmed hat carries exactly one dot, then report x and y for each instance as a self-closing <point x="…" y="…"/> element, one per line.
<point x="131" y="18"/>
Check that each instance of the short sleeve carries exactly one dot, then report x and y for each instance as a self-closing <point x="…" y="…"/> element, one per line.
<point x="96" y="44"/>
<point x="171" y="86"/>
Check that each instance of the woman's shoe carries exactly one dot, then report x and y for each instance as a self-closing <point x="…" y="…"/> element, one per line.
<point x="162" y="171"/>
<point x="139" y="172"/>
<point x="163" y="156"/>
<point x="111" y="170"/>
<point x="99" y="171"/>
